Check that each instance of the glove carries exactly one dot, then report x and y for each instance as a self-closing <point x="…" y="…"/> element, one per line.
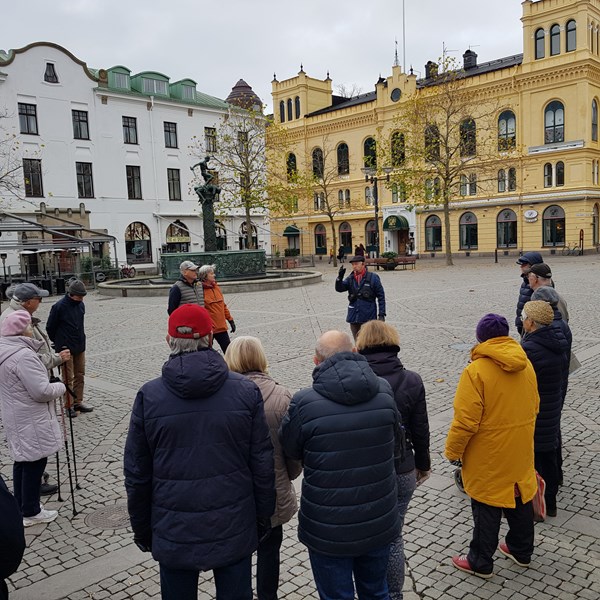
<point x="263" y="527"/>
<point x="232" y="324"/>
<point x="341" y="273"/>
<point x="382" y="317"/>
<point x="145" y="545"/>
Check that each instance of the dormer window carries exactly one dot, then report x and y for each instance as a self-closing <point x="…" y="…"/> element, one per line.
<point x="121" y="81"/>
<point x="154" y="86"/>
<point x="188" y="92"/>
<point x="50" y="75"/>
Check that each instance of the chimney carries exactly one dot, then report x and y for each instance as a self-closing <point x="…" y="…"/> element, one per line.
<point x="431" y="69"/>
<point x="469" y="59"/>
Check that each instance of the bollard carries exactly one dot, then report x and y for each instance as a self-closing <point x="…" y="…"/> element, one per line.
<point x="496" y="255"/>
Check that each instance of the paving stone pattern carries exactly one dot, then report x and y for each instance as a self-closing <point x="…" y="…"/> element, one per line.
<point x="436" y="309"/>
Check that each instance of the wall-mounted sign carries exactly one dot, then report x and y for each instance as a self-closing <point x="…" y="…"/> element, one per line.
<point x="531" y="216"/>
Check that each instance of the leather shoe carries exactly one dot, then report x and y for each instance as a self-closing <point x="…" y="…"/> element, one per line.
<point x="83" y="408"/>
<point x="47" y="489"/>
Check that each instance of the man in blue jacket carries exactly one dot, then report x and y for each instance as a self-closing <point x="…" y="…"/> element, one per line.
<point x="364" y="290"/>
<point x="199" y="467"/>
<point x="347" y="431"/>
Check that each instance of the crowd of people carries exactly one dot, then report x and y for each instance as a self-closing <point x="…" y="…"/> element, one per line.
<point x="214" y="443"/>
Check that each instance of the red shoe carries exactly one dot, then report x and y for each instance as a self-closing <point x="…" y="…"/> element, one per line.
<point x="504" y="550"/>
<point x="461" y="562"/>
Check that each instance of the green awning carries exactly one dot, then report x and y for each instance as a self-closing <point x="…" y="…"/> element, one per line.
<point x="395" y="222"/>
<point x="291" y="230"/>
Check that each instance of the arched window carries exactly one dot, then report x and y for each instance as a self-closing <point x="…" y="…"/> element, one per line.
<point x="394" y="193"/>
<point x="291" y="166"/>
<point x="507" y="131"/>
<point x="346" y="237"/>
<point x="347" y="198"/>
<point x="560" y="173"/>
<point x="138" y="245"/>
<point x="548" y="175"/>
<point x="317" y="163"/>
<point x="243" y="239"/>
<point x="319" y="200"/>
<point x="464" y="184"/>
<point x="178" y="237"/>
<point x="553" y="226"/>
<point x="371" y="235"/>
<point x="468" y="138"/>
<point x="432" y="143"/>
<point x="398" y="149"/>
<point x="540" y="43"/>
<point x="290" y="115"/>
<point x="282" y="111"/>
<point x="433" y="233"/>
<point x="501" y="181"/>
<point x="512" y="179"/>
<point x="554" y="40"/>
<point x="297" y="106"/>
<point x="554" y="123"/>
<point x="594" y="120"/>
<point x="341" y="198"/>
<point x="320" y="239"/>
<point x="571" y="35"/>
<point x="506" y="229"/>
<point x="343" y="159"/>
<point x="369" y="195"/>
<point x="221" y="235"/>
<point x="468" y="231"/>
<point x="370" y="153"/>
<point x="596" y="225"/>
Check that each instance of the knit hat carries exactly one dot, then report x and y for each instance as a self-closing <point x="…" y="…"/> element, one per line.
<point x="15" y="323"/>
<point x="26" y="291"/>
<point x="193" y="316"/>
<point x="539" y="311"/>
<point x="541" y="270"/>
<point x="547" y="294"/>
<point x="491" y="326"/>
<point x="76" y="288"/>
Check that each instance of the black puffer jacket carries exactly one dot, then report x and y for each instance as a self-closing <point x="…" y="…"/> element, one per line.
<point x="11" y="533"/>
<point x="345" y="429"/>
<point x="199" y="464"/>
<point x="561" y="325"/>
<point x="525" y="291"/>
<point x="409" y="393"/>
<point x="65" y="325"/>
<point x="546" y="349"/>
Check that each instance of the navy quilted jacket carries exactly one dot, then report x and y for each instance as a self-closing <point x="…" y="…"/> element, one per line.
<point x="525" y="291"/>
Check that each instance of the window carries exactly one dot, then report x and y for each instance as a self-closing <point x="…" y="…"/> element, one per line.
<point x="210" y="139"/>
<point x="394" y="193"/>
<point x="174" y="184"/>
<point x="473" y="184"/>
<point x="291" y="166"/>
<point x="398" y="149"/>
<point x="432" y="143"/>
<point x="468" y="231"/>
<point x="428" y="189"/>
<point x="32" y="173"/>
<point x="138" y="245"/>
<point x="85" y="181"/>
<point x="320" y="239"/>
<point x="371" y="235"/>
<point x="134" y="183"/>
<point x="554" y="40"/>
<point x="289" y="109"/>
<point x="178" y="237"/>
<point x="81" y="130"/>
<point x="554" y="175"/>
<point x="560" y="173"/>
<point x="540" y="44"/>
<point x="347" y="195"/>
<point x="346" y="237"/>
<point x="319" y="201"/>
<point x="170" y="135"/>
<point x="554" y="123"/>
<point x="50" y="75"/>
<point x="594" y="120"/>
<point x="368" y="195"/>
<point x="341" y="198"/>
<point x="188" y="92"/>
<point x="121" y="80"/>
<point x="571" y="35"/>
<point x="464" y="182"/>
<point x="468" y="138"/>
<point x="317" y="162"/>
<point x="512" y="179"/>
<point x="501" y="181"/>
<point x="130" y="130"/>
<point x="548" y="175"/>
<point x="553" y="226"/>
<point x="433" y="233"/>
<point x="343" y="159"/>
<point x="282" y="111"/>
<point x="297" y="106"/>
<point x="28" y="118"/>
<point x="154" y="86"/>
<point x="596" y="225"/>
<point x="507" y="131"/>
<point x="370" y="153"/>
<point x="506" y="229"/>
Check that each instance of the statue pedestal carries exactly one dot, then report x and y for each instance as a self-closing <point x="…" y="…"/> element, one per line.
<point x="230" y="264"/>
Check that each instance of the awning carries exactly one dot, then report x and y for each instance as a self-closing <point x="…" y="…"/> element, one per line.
<point x="291" y="230"/>
<point x="395" y="222"/>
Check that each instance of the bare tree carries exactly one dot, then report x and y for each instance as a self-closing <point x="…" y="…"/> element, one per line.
<point x="348" y="90"/>
<point x="11" y="164"/>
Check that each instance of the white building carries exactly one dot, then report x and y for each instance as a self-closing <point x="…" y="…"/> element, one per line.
<point x="111" y="151"/>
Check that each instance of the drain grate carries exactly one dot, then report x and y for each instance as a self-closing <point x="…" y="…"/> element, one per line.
<point x="461" y="346"/>
<point x="109" y="517"/>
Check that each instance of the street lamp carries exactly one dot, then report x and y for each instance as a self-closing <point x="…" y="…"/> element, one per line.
<point x="371" y="176"/>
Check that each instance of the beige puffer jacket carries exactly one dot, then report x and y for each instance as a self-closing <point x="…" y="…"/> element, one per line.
<point x="277" y="400"/>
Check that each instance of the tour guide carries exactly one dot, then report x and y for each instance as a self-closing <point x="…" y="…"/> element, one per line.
<point x="363" y="289"/>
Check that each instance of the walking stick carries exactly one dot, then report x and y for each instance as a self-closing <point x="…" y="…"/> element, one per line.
<point x="71" y="403"/>
<point x="58" y="478"/>
<point x="64" y="427"/>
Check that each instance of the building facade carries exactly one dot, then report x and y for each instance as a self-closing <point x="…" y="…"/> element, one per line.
<point x="544" y="192"/>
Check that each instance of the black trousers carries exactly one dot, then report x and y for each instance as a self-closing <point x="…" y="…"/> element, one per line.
<point x="222" y="339"/>
<point x="267" y="565"/>
<point x="3" y="590"/>
<point x="27" y="478"/>
<point x="487" y="527"/>
<point x="546" y="465"/>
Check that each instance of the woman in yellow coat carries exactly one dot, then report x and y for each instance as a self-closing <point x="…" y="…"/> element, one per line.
<point x="495" y="408"/>
<point x="214" y="303"/>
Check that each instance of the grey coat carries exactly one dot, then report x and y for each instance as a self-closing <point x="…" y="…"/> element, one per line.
<point x="27" y="401"/>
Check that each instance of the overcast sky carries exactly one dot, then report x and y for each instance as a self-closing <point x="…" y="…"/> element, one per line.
<point x="216" y="43"/>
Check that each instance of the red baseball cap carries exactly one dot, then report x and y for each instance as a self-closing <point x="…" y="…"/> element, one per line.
<point x="193" y="316"/>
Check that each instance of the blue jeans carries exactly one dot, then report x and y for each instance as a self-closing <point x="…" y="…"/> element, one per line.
<point x="407" y="483"/>
<point x="333" y="575"/>
<point x="233" y="582"/>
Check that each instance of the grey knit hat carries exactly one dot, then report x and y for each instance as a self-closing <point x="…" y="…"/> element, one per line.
<point x="547" y="294"/>
<point x="76" y="288"/>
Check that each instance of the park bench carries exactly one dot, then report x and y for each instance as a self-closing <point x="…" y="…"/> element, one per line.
<point x="389" y="264"/>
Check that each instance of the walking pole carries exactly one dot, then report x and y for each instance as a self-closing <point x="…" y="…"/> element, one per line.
<point x="58" y="478"/>
<point x="64" y="427"/>
<point x="71" y="403"/>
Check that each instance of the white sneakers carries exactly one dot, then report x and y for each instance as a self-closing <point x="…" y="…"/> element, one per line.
<point x="44" y="516"/>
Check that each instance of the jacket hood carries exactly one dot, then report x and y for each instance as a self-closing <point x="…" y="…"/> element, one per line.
<point x="10" y="345"/>
<point x="385" y="358"/>
<point x="504" y="351"/>
<point x="195" y="374"/>
<point x="346" y="378"/>
<point x="549" y="338"/>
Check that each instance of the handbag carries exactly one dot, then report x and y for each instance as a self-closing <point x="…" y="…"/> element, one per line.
<point x="539" y="501"/>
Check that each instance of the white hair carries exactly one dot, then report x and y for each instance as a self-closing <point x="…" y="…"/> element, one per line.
<point x="186" y="345"/>
<point x="204" y="270"/>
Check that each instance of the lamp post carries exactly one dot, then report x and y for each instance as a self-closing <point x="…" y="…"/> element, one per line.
<point x="4" y="256"/>
<point x="371" y="176"/>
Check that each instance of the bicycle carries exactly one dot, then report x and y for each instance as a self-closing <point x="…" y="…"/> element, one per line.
<point x="127" y="271"/>
<point x="573" y="249"/>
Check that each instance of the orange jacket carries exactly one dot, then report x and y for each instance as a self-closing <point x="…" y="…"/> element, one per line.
<point x="216" y="307"/>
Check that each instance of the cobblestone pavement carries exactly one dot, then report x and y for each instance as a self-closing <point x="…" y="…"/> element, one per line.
<point x="436" y="309"/>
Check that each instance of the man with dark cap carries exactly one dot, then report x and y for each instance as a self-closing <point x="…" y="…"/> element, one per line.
<point x="187" y="289"/>
<point x="539" y="276"/>
<point x="495" y="409"/>
<point x="65" y="327"/>
<point x="525" y="261"/>
<point x="364" y="290"/>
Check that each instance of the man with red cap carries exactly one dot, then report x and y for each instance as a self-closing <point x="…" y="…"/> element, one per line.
<point x="199" y="467"/>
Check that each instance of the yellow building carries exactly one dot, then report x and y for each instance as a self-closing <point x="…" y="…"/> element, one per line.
<point x="546" y="183"/>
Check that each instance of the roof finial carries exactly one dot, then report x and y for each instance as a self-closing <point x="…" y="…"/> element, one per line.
<point x="328" y="74"/>
<point x="274" y="77"/>
<point x="411" y="70"/>
<point x="396" y="61"/>
<point x="301" y="68"/>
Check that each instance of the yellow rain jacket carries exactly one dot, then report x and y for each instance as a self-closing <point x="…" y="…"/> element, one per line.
<point x="495" y="408"/>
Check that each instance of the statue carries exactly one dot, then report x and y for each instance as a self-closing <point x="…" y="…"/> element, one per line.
<point x="207" y="195"/>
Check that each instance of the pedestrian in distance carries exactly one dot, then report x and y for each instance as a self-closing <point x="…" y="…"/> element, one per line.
<point x="246" y="355"/>
<point x="379" y="343"/>
<point x="525" y="261"/>
<point x="346" y="430"/>
<point x="66" y="329"/>
<point x="362" y="251"/>
<point x="216" y="307"/>
<point x="341" y="254"/>
<point x="12" y="535"/>
<point x="495" y="409"/>
<point x="366" y="296"/>
<point x="28" y="413"/>
<point x="198" y="466"/>
<point x="187" y="289"/>
<point x="331" y="254"/>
